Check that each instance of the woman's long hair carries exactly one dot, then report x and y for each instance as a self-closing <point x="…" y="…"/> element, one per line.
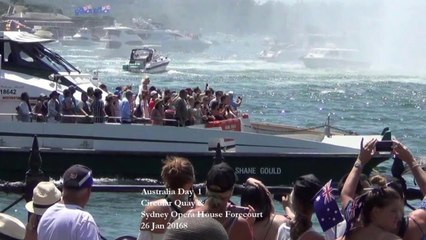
<point x="302" y="221"/>
<point x="301" y="200"/>
<point x="378" y="197"/>
<point x="259" y="199"/>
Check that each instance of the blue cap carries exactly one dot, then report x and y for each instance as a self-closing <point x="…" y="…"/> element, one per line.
<point x="78" y="177"/>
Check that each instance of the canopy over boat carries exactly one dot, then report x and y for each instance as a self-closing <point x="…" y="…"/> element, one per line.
<point x="23" y="37"/>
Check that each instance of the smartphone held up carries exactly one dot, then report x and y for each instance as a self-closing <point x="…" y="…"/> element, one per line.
<point x="384" y="146"/>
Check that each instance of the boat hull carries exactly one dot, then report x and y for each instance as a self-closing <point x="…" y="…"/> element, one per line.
<point x="77" y="42"/>
<point x="334" y="63"/>
<point x="283" y="55"/>
<point x="272" y="169"/>
<point x="137" y="150"/>
<point x="159" y="67"/>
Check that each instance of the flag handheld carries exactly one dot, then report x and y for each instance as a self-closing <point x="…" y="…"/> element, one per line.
<point x="326" y="208"/>
<point x="353" y="211"/>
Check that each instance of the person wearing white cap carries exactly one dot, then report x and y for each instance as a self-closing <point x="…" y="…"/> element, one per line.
<point x="45" y="194"/>
<point x="11" y="228"/>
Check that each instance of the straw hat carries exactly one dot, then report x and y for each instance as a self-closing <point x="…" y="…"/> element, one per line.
<point x="45" y="194"/>
<point x="11" y="227"/>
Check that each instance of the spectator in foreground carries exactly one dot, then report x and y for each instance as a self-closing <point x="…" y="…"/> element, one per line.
<point x="415" y="224"/>
<point x="266" y="225"/>
<point x="45" y="194"/>
<point x="196" y="228"/>
<point x="220" y="186"/>
<point x="67" y="219"/>
<point x="11" y="228"/>
<point x="382" y="208"/>
<point x="301" y="199"/>
<point x="177" y="174"/>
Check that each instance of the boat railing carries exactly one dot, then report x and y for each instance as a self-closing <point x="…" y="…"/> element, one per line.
<point x="135" y="120"/>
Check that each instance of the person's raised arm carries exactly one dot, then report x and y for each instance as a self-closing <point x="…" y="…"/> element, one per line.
<point x="365" y="154"/>
<point x="405" y="155"/>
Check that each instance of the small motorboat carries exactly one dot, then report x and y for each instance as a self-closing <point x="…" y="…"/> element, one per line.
<point x="282" y="53"/>
<point x="146" y="60"/>
<point x="335" y="58"/>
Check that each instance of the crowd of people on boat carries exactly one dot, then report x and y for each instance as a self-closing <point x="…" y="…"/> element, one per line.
<point x="373" y="208"/>
<point x="151" y="105"/>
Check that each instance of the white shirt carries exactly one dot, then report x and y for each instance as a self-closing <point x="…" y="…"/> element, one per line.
<point x="148" y="235"/>
<point x="284" y="232"/>
<point x="67" y="222"/>
<point x="335" y="232"/>
<point x="24" y="112"/>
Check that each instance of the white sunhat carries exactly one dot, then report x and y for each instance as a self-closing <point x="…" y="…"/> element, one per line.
<point x="153" y="93"/>
<point x="45" y="194"/>
<point x="11" y="227"/>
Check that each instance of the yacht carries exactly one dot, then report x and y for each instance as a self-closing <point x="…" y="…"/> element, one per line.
<point x="83" y="37"/>
<point x="334" y="58"/>
<point x="28" y="66"/>
<point x="282" y="53"/>
<point x="170" y="40"/>
<point x="120" y="40"/>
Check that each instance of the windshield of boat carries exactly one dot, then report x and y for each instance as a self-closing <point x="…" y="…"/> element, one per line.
<point x="34" y="56"/>
<point x="141" y="54"/>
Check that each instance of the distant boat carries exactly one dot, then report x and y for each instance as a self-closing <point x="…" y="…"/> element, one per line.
<point x="170" y="40"/>
<point x="83" y="37"/>
<point x="146" y="60"/>
<point x="120" y="40"/>
<point x="334" y="58"/>
<point x="282" y="53"/>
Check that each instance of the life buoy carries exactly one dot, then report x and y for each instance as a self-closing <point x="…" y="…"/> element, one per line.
<point x="226" y="125"/>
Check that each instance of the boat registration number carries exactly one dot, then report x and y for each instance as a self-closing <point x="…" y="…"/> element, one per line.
<point x="254" y="170"/>
<point x="7" y="91"/>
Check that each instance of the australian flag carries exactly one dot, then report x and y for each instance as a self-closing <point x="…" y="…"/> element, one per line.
<point x="352" y="211"/>
<point x="326" y="208"/>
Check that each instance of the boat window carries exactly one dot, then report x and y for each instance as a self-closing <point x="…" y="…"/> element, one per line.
<point x="56" y="59"/>
<point x="115" y="33"/>
<point x="318" y="51"/>
<point x="130" y="32"/>
<point x="36" y="56"/>
<point x="140" y="54"/>
<point x="25" y="57"/>
<point x="333" y="53"/>
<point x="6" y="51"/>
<point x="134" y="43"/>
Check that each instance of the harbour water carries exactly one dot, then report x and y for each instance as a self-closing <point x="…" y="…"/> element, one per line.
<point x="363" y="101"/>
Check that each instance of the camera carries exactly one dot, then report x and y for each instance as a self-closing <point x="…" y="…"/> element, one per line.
<point x="384" y="146"/>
